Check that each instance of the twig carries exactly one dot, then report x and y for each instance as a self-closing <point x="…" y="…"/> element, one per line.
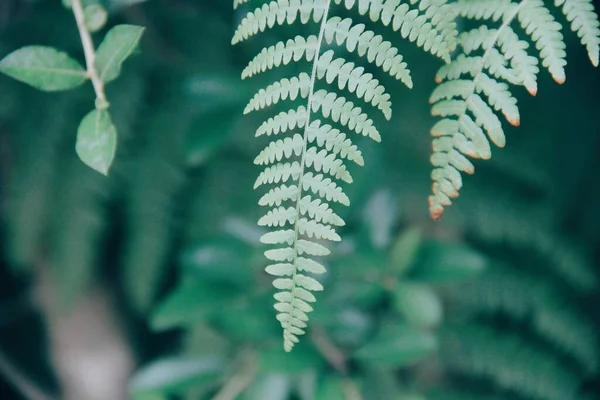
<point x="240" y="381"/>
<point x="329" y="350"/>
<point x="351" y="391"/>
<point x="20" y="382"/>
<point x="90" y="55"/>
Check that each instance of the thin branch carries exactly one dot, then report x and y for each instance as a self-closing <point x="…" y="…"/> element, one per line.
<point x="240" y="381"/>
<point x="90" y="54"/>
<point x="351" y="390"/>
<point x="20" y="382"/>
<point x="328" y="349"/>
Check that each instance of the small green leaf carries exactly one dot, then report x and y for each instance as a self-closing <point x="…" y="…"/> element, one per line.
<point x="397" y="345"/>
<point x="175" y="374"/>
<point x="420" y="305"/>
<point x="189" y="303"/>
<point x="250" y="322"/>
<point x="380" y="215"/>
<point x="219" y="260"/>
<point x="440" y="262"/>
<point x="95" y="17"/>
<point x="305" y="359"/>
<point x="273" y="386"/>
<point x="405" y="249"/>
<point x="330" y="389"/>
<point x="116" y="47"/>
<point x="97" y="141"/>
<point x="44" y="68"/>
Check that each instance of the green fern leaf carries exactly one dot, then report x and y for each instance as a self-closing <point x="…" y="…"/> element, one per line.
<point x="584" y="21"/>
<point x="474" y="87"/>
<point x="308" y="159"/>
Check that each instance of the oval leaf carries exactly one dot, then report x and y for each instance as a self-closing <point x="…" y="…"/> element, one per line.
<point x="117" y="46"/>
<point x="397" y="346"/>
<point x="190" y="303"/>
<point x="171" y="375"/>
<point x="420" y="305"/>
<point x="44" y="68"/>
<point x="97" y="141"/>
<point x="440" y="262"/>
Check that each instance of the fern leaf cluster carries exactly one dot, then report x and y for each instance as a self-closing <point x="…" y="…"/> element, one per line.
<point x="475" y="87"/>
<point x="512" y="365"/>
<point x="313" y="143"/>
<point x="524" y="297"/>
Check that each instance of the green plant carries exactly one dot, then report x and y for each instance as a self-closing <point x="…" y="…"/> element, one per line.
<point x="168" y="238"/>
<point x="51" y="70"/>
<point x="473" y="91"/>
<point x="306" y="166"/>
<point x="381" y="316"/>
<point x="474" y="87"/>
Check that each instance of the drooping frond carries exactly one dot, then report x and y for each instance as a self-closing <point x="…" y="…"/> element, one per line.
<point x="475" y="86"/>
<point x="528" y="299"/>
<point x="512" y="364"/>
<point x="311" y="146"/>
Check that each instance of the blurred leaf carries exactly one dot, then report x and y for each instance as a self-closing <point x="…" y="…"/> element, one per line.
<point x="150" y="396"/>
<point x="219" y="260"/>
<point x="306" y="385"/>
<point x="249" y="322"/>
<point x="209" y="134"/>
<point x="405" y="250"/>
<point x="189" y="303"/>
<point x="118" y="44"/>
<point x="273" y="386"/>
<point x="380" y="383"/>
<point x="173" y="375"/>
<point x="357" y="293"/>
<point x="44" y="68"/>
<point x="95" y="17"/>
<point x="97" y="141"/>
<point x="413" y="396"/>
<point x="440" y="262"/>
<point x="380" y="215"/>
<point x="349" y="327"/>
<point x="305" y="358"/>
<point x="331" y="388"/>
<point x="397" y="345"/>
<point x="124" y="3"/>
<point x="212" y="90"/>
<point x="420" y="305"/>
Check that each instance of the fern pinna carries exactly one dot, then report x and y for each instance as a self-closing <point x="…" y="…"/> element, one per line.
<point x="307" y="164"/>
<point x="474" y="87"/>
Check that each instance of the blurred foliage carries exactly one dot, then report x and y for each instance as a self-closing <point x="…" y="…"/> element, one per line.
<point x="496" y="301"/>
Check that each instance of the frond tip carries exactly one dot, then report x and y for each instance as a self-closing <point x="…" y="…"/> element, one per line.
<point x="475" y="86"/>
<point x="306" y="157"/>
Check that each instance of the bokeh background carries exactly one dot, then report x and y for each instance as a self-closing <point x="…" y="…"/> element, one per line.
<point x="148" y="284"/>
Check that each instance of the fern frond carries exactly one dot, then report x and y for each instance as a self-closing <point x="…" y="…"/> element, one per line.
<point x="474" y="87"/>
<point x="525" y="298"/>
<point x="307" y="164"/>
<point x="544" y="30"/>
<point x="584" y="22"/>
<point x="511" y="364"/>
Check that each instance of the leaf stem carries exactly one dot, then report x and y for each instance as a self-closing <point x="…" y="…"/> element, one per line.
<point x="329" y="350"/>
<point x="240" y="381"/>
<point x="90" y="55"/>
<point x="22" y="383"/>
<point x="313" y="78"/>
